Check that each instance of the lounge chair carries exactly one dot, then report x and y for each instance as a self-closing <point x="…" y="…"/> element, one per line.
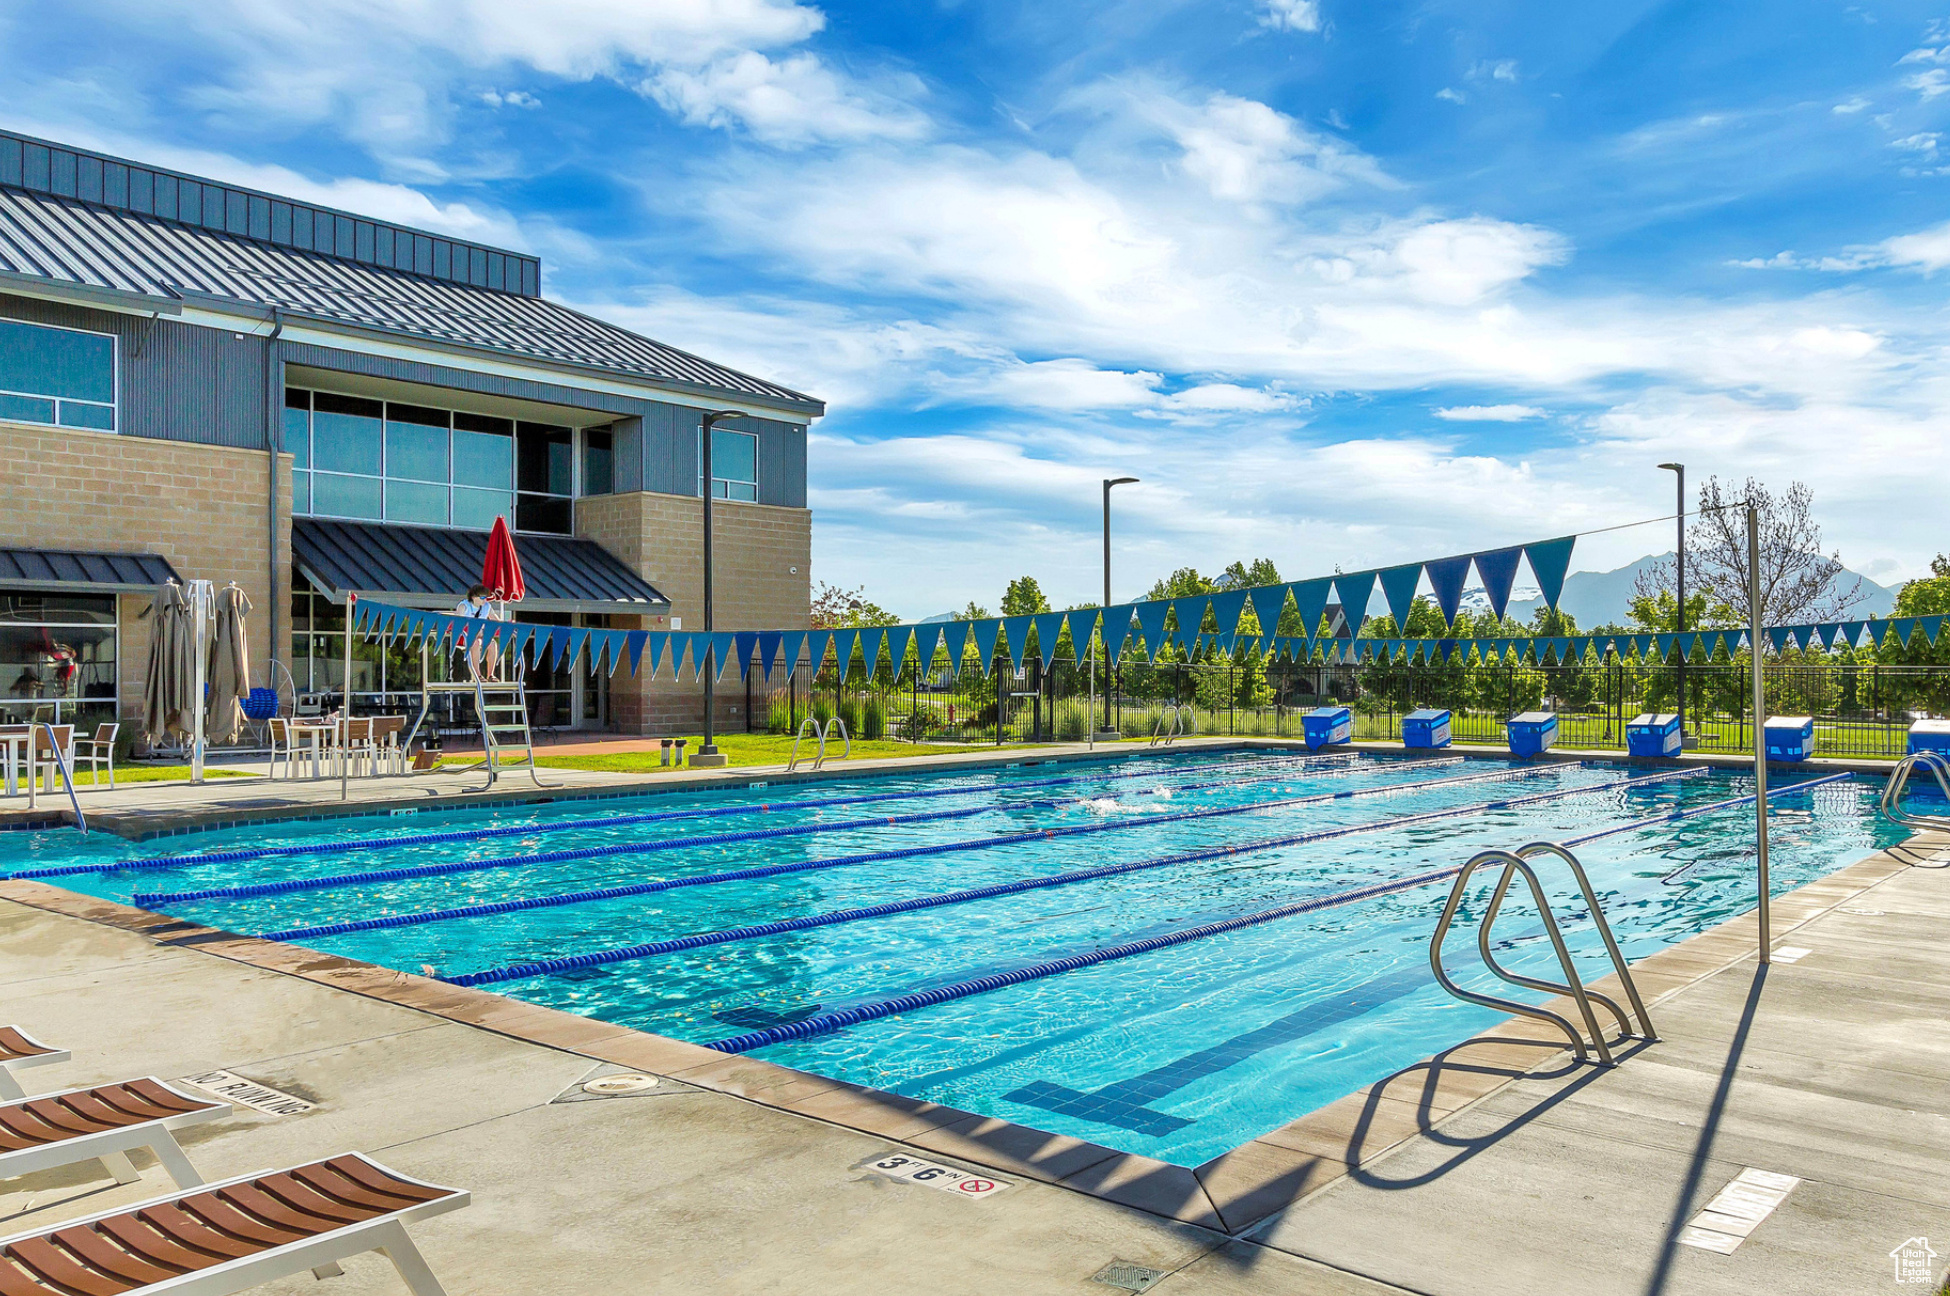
<point x="19" y="1050"/>
<point x="235" y="1235"/>
<point x="105" y="1122"/>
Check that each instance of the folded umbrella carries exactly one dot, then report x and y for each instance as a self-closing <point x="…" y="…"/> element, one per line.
<point x="230" y="666"/>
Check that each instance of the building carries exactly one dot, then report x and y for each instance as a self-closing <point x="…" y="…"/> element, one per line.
<point x="203" y="381"/>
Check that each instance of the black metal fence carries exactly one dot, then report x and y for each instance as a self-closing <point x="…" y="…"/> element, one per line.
<point x="1859" y="710"/>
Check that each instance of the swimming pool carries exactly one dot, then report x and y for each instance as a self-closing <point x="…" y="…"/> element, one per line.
<point x="1165" y="954"/>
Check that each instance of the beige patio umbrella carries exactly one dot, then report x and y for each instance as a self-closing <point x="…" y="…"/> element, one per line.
<point x="166" y="688"/>
<point x="230" y="665"/>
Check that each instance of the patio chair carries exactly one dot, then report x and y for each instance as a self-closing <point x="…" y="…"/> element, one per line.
<point x="51" y="741"/>
<point x="104" y="1123"/>
<point x="236" y="1234"/>
<point x="278" y="732"/>
<point x="18" y="1051"/>
<point x="386" y="731"/>
<point x="356" y="743"/>
<point x="96" y="751"/>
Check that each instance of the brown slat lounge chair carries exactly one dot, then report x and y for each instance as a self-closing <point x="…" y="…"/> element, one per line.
<point x="234" y="1235"/>
<point x="18" y="1050"/>
<point x="105" y="1122"/>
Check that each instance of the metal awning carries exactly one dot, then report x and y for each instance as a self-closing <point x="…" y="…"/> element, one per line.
<point x="431" y="567"/>
<point x="83" y="573"/>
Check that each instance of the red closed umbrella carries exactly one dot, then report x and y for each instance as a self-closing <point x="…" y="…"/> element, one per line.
<point x="501" y="571"/>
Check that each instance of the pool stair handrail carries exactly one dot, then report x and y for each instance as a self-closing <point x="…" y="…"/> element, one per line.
<point x="60" y="763"/>
<point x="1159" y="734"/>
<point x="1891" y="803"/>
<point x="821" y="730"/>
<point x="1518" y="862"/>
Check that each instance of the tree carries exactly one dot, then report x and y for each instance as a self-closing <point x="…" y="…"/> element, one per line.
<point x="1183" y="583"/>
<point x="1798" y="583"/>
<point x="834" y="608"/>
<point x="1024" y="597"/>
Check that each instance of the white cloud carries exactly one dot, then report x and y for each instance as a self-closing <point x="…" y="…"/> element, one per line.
<point x="1849" y="106"/>
<point x="794" y="100"/>
<point x="1069" y="385"/>
<point x="1292" y="15"/>
<point x="1924" y="142"/>
<point x="1489" y="413"/>
<point x="1926" y="55"/>
<point x="1494" y="69"/>
<point x="1929" y="84"/>
<point x="509" y="99"/>
<point x="1451" y="94"/>
<point x="1927" y="250"/>
<point x="1244" y="151"/>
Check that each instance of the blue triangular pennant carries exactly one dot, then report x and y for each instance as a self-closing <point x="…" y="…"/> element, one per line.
<point x="844" y="642"/>
<point x="747" y="644"/>
<point x="1016" y="629"/>
<point x="1049" y="629"/>
<point x="637" y="638"/>
<point x="1497" y="569"/>
<point x="1663" y="643"/>
<point x="1446" y="577"/>
<point x="1803" y="636"/>
<point x="1902" y="627"/>
<point x="1354" y="592"/>
<point x="1931" y="624"/>
<point x="1268" y="601"/>
<point x="1549" y="560"/>
<point x="1083" y="623"/>
<point x="1189" y="614"/>
<point x="1878" y="631"/>
<point x="1151" y="624"/>
<point x="1398" y="587"/>
<point x="1226" y="606"/>
<point x="985" y="633"/>
<point x="1310" y="602"/>
<point x="724" y="651"/>
<point x="791" y="644"/>
<point x="769" y="643"/>
<point x="1852" y="632"/>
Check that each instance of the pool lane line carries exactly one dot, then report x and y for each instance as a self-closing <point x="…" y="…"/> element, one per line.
<point x="332" y="881"/>
<point x="840" y="1019"/>
<point x="677" y="944"/>
<point x="662" y="816"/>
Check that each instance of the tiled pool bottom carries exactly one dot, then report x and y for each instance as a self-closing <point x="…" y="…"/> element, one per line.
<point x="1177" y="1054"/>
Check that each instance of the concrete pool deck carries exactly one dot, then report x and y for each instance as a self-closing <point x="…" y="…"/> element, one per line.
<point x="1494" y="1167"/>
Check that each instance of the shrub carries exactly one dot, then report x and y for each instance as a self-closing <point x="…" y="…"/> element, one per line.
<point x="778" y="713"/>
<point x="1073" y="720"/>
<point x="820" y="709"/>
<point x="849" y="714"/>
<point x="873" y="718"/>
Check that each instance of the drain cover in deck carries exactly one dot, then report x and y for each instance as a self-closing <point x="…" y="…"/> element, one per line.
<point x="1130" y="1277"/>
<point x="623" y="1082"/>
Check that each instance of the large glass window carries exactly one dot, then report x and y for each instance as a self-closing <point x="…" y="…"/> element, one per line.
<point x="598" y="462"/>
<point x="57" y="658"/>
<point x="484" y="470"/>
<point x="297" y="441"/>
<point x="545" y="474"/>
<point x="59" y="376"/>
<point x="734" y="464"/>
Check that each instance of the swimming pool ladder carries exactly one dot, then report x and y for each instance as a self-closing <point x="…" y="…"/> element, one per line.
<point x="820" y="731"/>
<point x="1891" y="804"/>
<point x="1179" y="715"/>
<point x="1518" y="862"/>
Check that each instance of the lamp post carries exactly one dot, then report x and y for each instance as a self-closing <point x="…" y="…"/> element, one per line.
<point x="707" y="752"/>
<point x="1680" y="623"/>
<point x="1108" y="483"/>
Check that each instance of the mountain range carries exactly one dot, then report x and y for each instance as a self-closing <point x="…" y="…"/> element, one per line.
<point x="1598" y="598"/>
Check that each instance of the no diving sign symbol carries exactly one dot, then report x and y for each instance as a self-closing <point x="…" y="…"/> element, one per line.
<point x="896" y="1165"/>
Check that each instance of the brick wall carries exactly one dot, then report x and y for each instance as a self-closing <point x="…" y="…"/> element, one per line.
<point x="202" y="507"/>
<point x="756" y="549"/>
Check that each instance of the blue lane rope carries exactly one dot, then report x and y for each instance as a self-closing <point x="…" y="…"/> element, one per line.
<point x="334" y="881"/>
<point x="827" y="1023"/>
<point x="677" y="944"/>
<point x="663" y="816"/>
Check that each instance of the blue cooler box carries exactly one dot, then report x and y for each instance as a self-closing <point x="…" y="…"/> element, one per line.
<point x="1324" y="726"/>
<point x="1930" y="735"/>
<point x="1653" y="735"/>
<point x="1532" y="732"/>
<point x="1425" y="728"/>
<point x="1790" y="738"/>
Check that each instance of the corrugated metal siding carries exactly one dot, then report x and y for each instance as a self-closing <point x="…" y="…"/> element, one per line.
<point x="373" y="366"/>
<point x="64" y="241"/>
<point x="178" y="382"/>
<point x="626" y="454"/>
<point x="373" y="557"/>
<point x="67" y="172"/>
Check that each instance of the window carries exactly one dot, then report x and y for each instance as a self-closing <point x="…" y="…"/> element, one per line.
<point x="734" y="464"/>
<point x="598" y="462"/>
<point x="59" y="376"/>
<point x="354" y="457"/>
<point x="57" y="658"/>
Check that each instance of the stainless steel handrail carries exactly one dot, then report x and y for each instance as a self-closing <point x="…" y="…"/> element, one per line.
<point x="60" y="763"/>
<point x="1891" y="802"/>
<point x="1518" y="862"/>
<point x="1159" y="734"/>
<point x="844" y="737"/>
<point x="819" y="732"/>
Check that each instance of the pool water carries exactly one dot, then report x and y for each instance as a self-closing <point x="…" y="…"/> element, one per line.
<point x="1178" y="1052"/>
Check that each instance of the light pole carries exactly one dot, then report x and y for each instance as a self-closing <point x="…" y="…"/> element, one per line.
<point x="1108" y="483"/>
<point x="707" y="751"/>
<point x="1680" y="623"/>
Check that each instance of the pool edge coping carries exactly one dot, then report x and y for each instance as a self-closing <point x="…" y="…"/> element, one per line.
<point x="1231" y="1194"/>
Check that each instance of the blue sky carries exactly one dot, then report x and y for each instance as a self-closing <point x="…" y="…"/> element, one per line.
<point x="1344" y="284"/>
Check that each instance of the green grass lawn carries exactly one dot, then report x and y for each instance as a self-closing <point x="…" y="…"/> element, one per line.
<point x="148" y="774"/>
<point x="762" y="749"/>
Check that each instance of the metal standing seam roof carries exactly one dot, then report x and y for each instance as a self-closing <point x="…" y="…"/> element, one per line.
<point x="419" y="563"/>
<point x="67" y="241"/>
<point x="86" y="572"/>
